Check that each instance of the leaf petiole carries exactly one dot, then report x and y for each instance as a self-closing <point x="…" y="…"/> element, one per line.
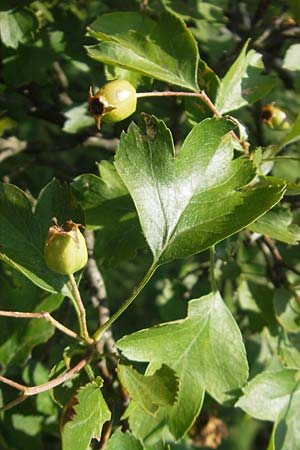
<point x="80" y="310"/>
<point x="203" y="96"/>
<point x="41" y="315"/>
<point x="212" y="268"/>
<point x="99" y="332"/>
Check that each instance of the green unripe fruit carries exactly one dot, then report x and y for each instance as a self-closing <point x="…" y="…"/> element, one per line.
<point x="65" y="250"/>
<point x="121" y="95"/>
<point x="115" y="101"/>
<point x="275" y="118"/>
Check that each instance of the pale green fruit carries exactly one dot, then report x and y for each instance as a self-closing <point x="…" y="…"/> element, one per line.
<point x="113" y="102"/>
<point x="65" y="250"/>
<point x="275" y="118"/>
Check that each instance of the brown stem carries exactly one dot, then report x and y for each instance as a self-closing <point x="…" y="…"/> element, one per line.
<point x="27" y="391"/>
<point x="106" y="436"/>
<point x="273" y="248"/>
<point x="64" y="84"/>
<point x="41" y="315"/>
<point x="13" y="403"/>
<point x="200" y="94"/>
<point x="80" y="310"/>
<point x="56" y="381"/>
<point x="13" y="384"/>
<point x="277" y="255"/>
<point x="204" y="97"/>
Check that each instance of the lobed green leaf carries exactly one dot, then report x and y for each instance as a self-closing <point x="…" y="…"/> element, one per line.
<point x="134" y="41"/>
<point x="268" y="393"/>
<point x="84" y="418"/>
<point x="152" y="391"/>
<point x="208" y="353"/>
<point x="244" y="82"/>
<point x="190" y="201"/>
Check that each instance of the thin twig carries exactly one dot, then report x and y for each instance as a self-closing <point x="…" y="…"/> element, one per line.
<point x="13" y="403"/>
<point x="204" y="97"/>
<point x="61" y="76"/>
<point x="41" y="315"/>
<point x="80" y="310"/>
<point x="273" y="248"/>
<point x="277" y="255"/>
<point x="13" y="384"/>
<point x="56" y="381"/>
<point x="106" y="436"/>
<point x="200" y="94"/>
<point x="276" y="264"/>
<point x="34" y="390"/>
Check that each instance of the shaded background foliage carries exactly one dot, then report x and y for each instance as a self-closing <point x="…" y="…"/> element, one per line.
<point x="46" y="132"/>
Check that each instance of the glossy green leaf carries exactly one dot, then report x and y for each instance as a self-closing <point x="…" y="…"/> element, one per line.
<point x="188" y="202"/>
<point x="136" y="42"/>
<point x="278" y="225"/>
<point x="23" y="233"/>
<point x="293" y="134"/>
<point x="287" y="309"/>
<point x="150" y="391"/>
<point x="115" y="72"/>
<point x="109" y="208"/>
<point x="268" y="393"/>
<point x="123" y="441"/>
<point x="84" y="418"/>
<point x="206" y="350"/>
<point x="17" y="26"/>
<point x="244" y="82"/>
<point x="292" y="58"/>
<point x="286" y="434"/>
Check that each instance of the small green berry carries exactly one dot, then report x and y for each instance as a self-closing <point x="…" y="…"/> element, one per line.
<point x="65" y="249"/>
<point x="275" y="118"/>
<point x="115" y="101"/>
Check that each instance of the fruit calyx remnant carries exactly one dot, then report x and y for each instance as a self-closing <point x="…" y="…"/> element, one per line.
<point x="115" y="101"/>
<point x="65" y="248"/>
